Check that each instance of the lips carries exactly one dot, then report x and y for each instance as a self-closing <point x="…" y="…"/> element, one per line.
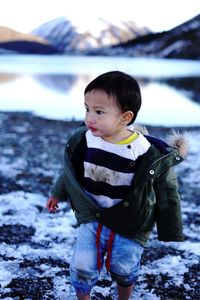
<point x="93" y="129"/>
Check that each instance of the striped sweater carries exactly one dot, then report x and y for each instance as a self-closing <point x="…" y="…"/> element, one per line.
<point x="109" y="168"/>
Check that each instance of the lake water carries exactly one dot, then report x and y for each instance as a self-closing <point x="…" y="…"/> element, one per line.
<point x="53" y="86"/>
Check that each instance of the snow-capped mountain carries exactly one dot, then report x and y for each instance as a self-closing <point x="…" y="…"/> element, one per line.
<point x="182" y="41"/>
<point x="101" y="37"/>
<point x="69" y="36"/>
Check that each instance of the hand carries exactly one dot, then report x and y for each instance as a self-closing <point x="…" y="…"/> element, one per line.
<point x="52" y="204"/>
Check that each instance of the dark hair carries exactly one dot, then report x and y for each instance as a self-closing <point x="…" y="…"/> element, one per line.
<point x="122" y="87"/>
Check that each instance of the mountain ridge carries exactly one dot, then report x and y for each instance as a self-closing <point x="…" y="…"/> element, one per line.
<point x="61" y="36"/>
<point x="68" y="37"/>
<point x="182" y="41"/>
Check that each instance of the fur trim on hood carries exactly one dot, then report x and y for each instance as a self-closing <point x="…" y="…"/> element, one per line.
<point x="176" y="139"/>
<point x="142" y="129"/>
<point x="180" y="142"/>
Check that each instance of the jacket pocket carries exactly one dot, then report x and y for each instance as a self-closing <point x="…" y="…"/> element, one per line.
<point x="124" y="218"/>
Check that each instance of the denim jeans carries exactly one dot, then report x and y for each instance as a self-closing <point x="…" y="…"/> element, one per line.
<point x="124" y="261"/>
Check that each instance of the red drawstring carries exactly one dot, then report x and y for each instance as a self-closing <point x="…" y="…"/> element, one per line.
<point x="99" y="229"/>
<point x="109" y="248"/>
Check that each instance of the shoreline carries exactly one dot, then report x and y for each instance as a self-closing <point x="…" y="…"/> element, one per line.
<point x="15" y="115"/>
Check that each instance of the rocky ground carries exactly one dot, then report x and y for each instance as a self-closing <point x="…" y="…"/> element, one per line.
<point x="35" y="246"/>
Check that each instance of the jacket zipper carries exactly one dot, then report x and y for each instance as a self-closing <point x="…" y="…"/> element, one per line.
<point x="159" y="160"/>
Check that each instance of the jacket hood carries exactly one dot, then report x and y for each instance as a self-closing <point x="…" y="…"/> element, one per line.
<point x="176" y="140"/>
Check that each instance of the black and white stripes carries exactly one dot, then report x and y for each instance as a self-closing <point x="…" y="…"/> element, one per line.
<point x="109" y="168"/>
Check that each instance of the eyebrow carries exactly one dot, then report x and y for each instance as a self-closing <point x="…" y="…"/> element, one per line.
<point x="96" y="107"/>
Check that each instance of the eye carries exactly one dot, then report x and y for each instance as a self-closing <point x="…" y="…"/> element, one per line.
<point x="86" y="108"/>
<point x="99" y="112"/>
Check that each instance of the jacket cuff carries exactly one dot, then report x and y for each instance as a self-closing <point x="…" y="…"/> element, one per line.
<point x="171" y="239"/>
<point x="58" y="197"/>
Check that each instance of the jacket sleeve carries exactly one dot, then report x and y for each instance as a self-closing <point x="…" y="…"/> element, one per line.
<point x="168" y="208"/>
<point x="58" y="189"/>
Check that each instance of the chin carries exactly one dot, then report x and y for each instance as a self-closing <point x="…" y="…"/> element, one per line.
<point x="95" y="133"/>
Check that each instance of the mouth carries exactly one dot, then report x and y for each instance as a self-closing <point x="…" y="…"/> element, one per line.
<point x="93" y="129"/>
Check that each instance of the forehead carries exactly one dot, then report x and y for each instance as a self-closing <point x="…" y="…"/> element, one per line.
<point x="100" y="98"/>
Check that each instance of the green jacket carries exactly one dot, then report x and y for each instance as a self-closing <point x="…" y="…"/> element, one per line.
<point x="154" y="197"/>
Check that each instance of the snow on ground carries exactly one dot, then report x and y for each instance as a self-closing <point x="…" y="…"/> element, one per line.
<point x="36" y="246"/>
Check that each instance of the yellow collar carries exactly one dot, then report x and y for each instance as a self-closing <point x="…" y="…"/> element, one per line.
<point x="129" y="139"/>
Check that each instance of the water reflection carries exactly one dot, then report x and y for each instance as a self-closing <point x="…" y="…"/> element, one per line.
<point x="64" y="83"/>
<point x="163" y="105"/>
<point x="165" y="102"/>
<point x="59" y="83"/>
<point x="7" y="77"/>
<point x="189" y="86"/>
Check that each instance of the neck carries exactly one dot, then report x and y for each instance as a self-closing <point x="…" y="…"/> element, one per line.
<point x="119" y="136"/>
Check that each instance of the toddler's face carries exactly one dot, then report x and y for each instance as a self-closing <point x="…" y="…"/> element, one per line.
<point x="103" y="116"/>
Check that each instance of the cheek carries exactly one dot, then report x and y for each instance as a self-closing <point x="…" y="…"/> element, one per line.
<point x="109" y="124"/>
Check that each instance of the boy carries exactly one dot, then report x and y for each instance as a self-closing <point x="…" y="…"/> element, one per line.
<point x="120" y="182"/>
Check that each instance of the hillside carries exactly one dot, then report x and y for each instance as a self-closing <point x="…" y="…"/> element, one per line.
<point x="182" y="42"/>
<point x="12" y="41"/>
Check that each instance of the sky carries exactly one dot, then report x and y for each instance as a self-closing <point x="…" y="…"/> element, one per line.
<point x="157" y="15"/>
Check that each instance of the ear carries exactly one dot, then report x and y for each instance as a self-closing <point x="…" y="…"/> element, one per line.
<point x="127" y="116"/>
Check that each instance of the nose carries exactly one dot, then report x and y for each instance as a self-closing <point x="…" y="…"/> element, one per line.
<point x="89" y="118"/>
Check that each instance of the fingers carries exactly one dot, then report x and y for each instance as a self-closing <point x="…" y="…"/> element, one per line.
<point x="52" y="204"/>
